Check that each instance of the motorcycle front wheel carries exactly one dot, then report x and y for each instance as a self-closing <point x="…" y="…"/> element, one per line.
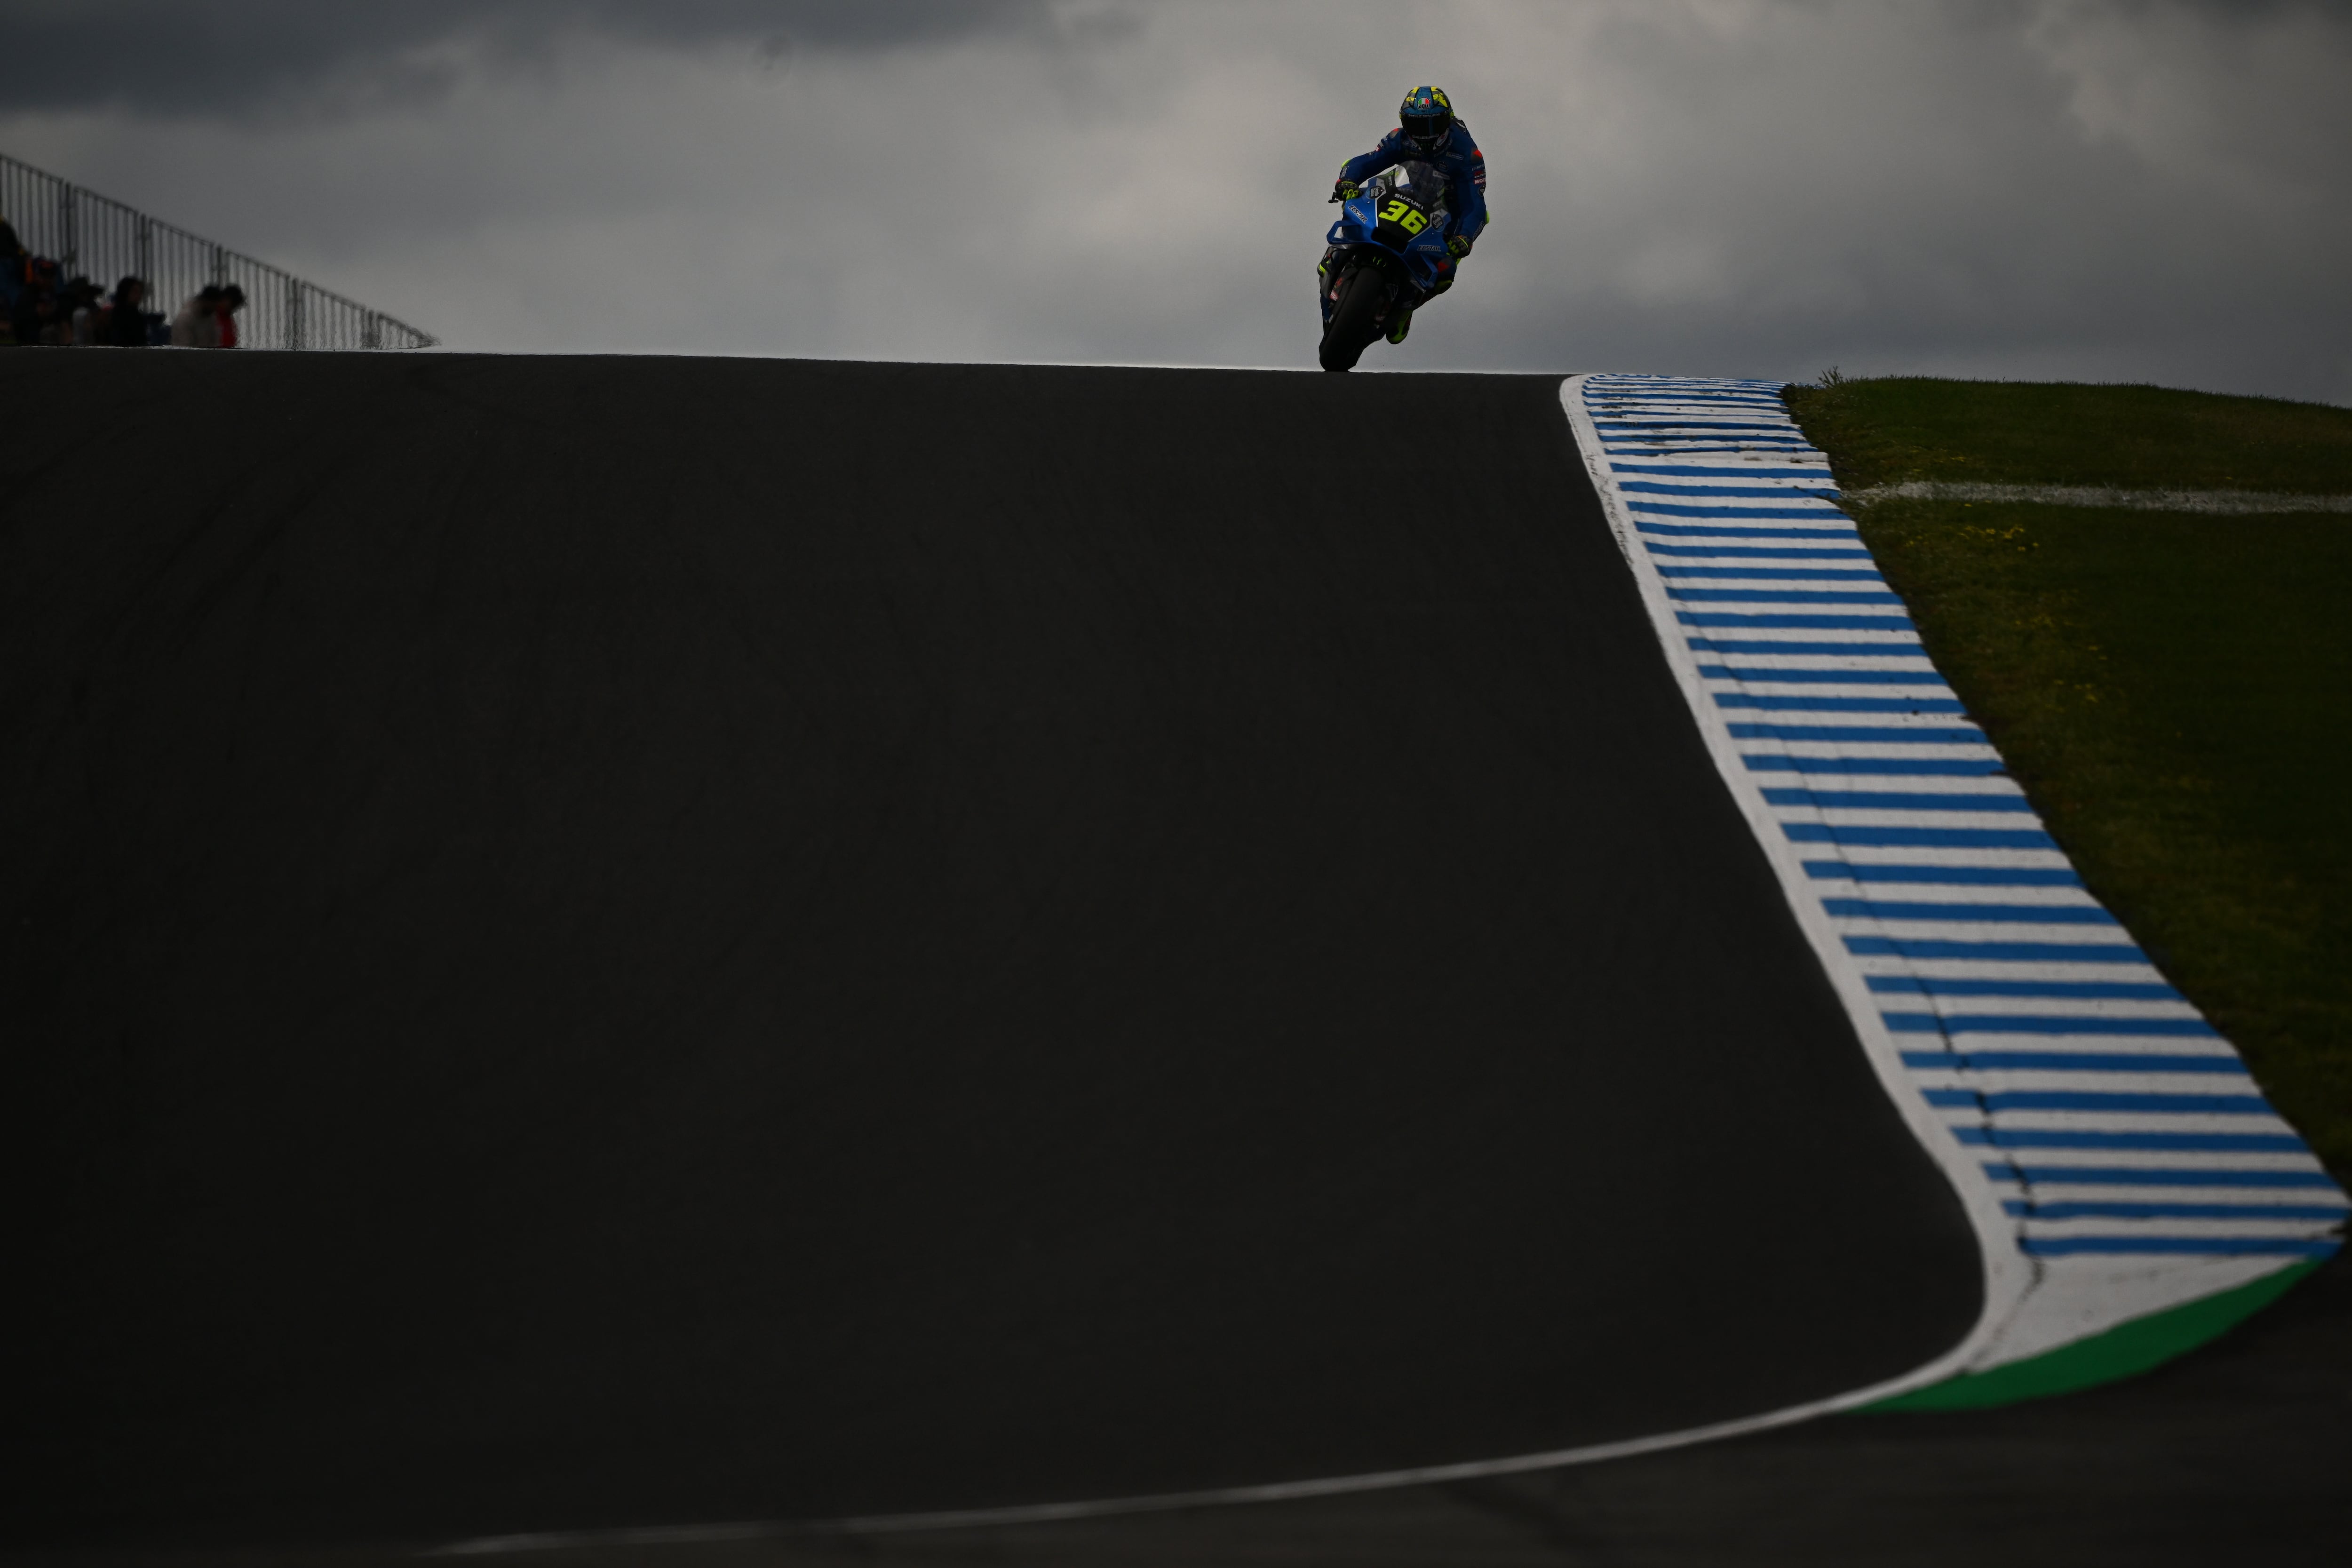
<point x="1353" y="319"/>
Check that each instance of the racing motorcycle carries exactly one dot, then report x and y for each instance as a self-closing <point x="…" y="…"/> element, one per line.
<point x="1387" y="256"/>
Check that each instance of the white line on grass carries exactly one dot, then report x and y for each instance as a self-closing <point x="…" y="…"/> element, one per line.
<point x="2234" y="503"/>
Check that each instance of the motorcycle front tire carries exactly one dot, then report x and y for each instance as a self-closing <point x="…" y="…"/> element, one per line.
<point x="1353" y="325"/>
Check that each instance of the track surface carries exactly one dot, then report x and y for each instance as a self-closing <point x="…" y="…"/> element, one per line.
<point x="601" y="941"/>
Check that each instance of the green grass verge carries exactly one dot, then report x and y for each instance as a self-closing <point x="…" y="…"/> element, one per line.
<point x="1886" y="431"/>
<point x="2124" y="1350"/>
<point x="2173" y="691"/>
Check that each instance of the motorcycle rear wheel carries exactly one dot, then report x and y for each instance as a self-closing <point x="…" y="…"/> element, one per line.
<point x="1353" y="319"/>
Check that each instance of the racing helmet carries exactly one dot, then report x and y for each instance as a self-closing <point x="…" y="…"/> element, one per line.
<point x="1426" y="118"/>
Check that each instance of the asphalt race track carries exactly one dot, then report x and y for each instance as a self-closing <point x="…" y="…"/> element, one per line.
<point x="598" y="942"/>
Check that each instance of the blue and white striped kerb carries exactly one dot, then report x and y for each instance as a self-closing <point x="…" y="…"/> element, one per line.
<point x="2131" y="1158"/>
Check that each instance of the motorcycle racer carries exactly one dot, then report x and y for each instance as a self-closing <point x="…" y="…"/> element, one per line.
<point x="1427" y="130"/>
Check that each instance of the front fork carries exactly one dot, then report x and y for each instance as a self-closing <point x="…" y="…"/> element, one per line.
<point x="1327" y="277"/>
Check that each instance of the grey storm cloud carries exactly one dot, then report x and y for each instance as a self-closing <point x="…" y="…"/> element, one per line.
<point x="2091" y="189"/>
<point x="166" y="57"/>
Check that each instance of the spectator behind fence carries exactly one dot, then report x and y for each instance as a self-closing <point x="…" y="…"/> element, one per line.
<point x="195" y="326"/>
<point x="83" y="305"/>
<point x="14" y="259"/>
<point x="126" y="319"/>
<point x="36" y="317"/>
<point x="22" y="321"/>
<point x="12" y="266"/>
<point x="232" y="301"/>
<point x="35" y="306"/>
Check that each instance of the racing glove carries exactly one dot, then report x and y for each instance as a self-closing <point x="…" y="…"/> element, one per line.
<point x="1459" y="244"/>
<point x="1346" y="190"/>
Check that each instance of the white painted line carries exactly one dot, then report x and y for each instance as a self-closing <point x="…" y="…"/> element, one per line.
<point x="2236" y="504"/>
<point x="1045" y="1514"/>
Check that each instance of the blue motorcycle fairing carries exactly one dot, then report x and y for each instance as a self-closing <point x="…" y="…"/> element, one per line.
<point x="1428" y="263"/>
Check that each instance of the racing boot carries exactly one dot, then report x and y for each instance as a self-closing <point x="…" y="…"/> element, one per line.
<point x="1400" y="326"/>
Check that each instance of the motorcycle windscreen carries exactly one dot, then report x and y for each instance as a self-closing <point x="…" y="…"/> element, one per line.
<point x="1410" y="201"/>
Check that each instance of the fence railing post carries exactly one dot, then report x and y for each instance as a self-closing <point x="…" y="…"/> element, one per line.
<point x="67" y="249"/>
<point x="294" y="313"/>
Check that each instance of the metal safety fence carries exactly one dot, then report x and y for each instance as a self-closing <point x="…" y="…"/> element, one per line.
<point x="90" y="236"/>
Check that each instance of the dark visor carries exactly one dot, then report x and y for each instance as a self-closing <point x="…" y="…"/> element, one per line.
<point x="1425" y="127"/>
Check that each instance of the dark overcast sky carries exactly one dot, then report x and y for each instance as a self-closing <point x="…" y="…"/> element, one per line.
<point x="2101" y="189"/>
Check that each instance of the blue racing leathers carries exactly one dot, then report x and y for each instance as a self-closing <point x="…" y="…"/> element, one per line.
<point x="1466" y="174"/>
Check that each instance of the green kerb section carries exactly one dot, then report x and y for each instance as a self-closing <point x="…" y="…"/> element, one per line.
<point x="2121" y="1351"/>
